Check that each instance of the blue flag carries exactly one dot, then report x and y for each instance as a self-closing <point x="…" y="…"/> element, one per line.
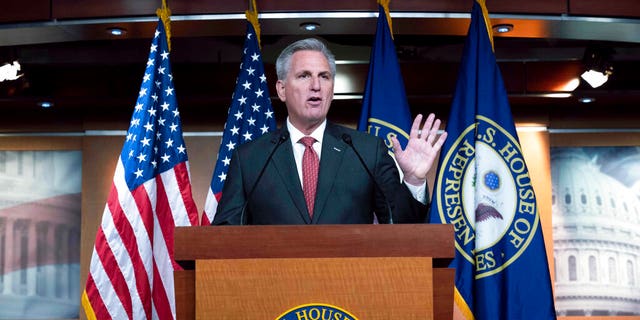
<point x="385" y="110"/>
<point x="250" y="116"/>
<point x="484" y="190"/>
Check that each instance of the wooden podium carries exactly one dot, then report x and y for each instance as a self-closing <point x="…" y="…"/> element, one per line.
<point x="259" y="272"/>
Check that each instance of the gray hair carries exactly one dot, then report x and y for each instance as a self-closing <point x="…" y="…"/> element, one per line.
<point x="283" y="63"/>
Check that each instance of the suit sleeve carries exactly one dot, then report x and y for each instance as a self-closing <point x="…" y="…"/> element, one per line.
<point x="233" y="197"/>
<point x="404" y="207"/>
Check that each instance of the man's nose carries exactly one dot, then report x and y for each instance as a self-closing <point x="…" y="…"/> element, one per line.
<point x="315" y="83"/>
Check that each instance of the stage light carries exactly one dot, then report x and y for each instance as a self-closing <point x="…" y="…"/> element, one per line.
<point x="9" y="71"/>
<point x="598" y="68"/>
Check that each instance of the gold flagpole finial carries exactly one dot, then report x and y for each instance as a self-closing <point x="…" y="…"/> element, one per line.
<point x="165" y="14"/>
<point x="385" y="6"/>
<point x="252" y="16"/>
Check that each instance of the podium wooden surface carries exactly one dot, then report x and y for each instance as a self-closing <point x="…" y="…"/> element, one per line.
<point x="229" y="252"/>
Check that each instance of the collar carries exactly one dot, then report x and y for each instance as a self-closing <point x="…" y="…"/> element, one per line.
<point x="296" y="134"/>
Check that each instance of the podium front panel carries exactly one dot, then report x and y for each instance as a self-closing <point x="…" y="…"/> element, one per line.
<point x="368" y="288"/>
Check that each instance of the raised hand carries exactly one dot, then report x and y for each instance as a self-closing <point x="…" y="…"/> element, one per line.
<point x="418" y="157"/>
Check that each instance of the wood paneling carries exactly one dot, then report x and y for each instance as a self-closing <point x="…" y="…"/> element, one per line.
<point x="97" y="8"/>
<point x="368" y="288"/>
<point x="19" y="11"/>
<point x="618" y="8"/>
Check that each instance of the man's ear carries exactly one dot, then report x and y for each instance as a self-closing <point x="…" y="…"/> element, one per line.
<point x="280" y="90"/>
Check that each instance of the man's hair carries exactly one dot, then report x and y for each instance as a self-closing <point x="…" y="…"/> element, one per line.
<point x="283" y="63"/>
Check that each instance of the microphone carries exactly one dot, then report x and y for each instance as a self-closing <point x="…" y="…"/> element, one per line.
<point x="347" y="139"/>
<point x="281" y="139"/>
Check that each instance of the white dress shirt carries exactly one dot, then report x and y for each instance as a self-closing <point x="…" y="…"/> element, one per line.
<point x="418" y="192"/>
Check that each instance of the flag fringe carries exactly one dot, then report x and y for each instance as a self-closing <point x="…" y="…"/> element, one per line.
<point x="487" y="21"/>
<point x="252" y="17"/>
<point x="86" y="305"/>
<point x="164" y="13"/>
<point x="458" y="300"/>
<point x="385" y="6"/>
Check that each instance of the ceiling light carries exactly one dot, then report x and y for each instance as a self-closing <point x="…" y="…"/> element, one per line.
<point x="117" y="31"/>
<point x="310" y="26"/>
<point x="503" y="28"/>
<point x="586" y="99"/>
<point x="597" y="64"/>
<point x="45" y="104"/>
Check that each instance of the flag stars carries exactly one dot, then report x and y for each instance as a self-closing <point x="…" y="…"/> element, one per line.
<point x="174" y="127"/>
<point x="161" y="121"/>
<point x="242" y="100"/>
<point x="235" y="130"/>
<point x="154" y="97"/>
<point x="238" y="115"/>
<point x="231" y="146"/>
<point x="181" y="149"/>
<point x="165" y="158"/>
<point x="165" y="106"/>
<point x="154" y="48"/>
<point x="139" y="107"/>
<point x="150" y="63"/>
<point x="256" y="107"/>
<point x="157" y="34"/>
<point x="147" y="77"/>
<point x="148" y="126"/>
<point x="263" y="78"/>
<point x="247" y="136"/>
<point x="169" y="91"/>
<point x="176" y="113"/>
<point x="152" y="112"/>
<point x="246" y="85"/>
<point x="169" y="143"/>
<point x="145" y="142"/>
<point x="161" y="70"/>
<point x="143" y="92"/>
<point x="255" y="57"/>
<point x="135" y="122"/>
<point x="269" y="114"/>
<point x="138" y="173"/>
<point x="141" y="157"/>
<point x="250" y="71"/>
<point x="259" y="93"/>
<point x="251" y="121"/>
<point x="165" y="55"/>
<point x="154" y="163"/>
<point x="223" y="177"/>
<point x="226" y="161"/>
<point x="264" y="129"/>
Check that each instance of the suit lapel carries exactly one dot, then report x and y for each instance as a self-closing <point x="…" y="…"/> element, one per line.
<point x="287" y="170"/>
<point x="333" y="150"/>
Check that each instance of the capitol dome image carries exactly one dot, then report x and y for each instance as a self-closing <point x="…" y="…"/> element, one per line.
<point x="596" y="230"/>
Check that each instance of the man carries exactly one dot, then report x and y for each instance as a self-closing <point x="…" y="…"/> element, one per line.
<point x="272" y="180"/>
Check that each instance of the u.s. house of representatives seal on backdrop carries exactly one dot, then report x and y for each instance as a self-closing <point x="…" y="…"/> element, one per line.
<point x="316" y="311"/>
<point x="486" y="194"/>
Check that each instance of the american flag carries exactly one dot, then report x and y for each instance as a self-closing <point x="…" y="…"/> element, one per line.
<point x="131" y="270"/>
<point x="250" y="116"/>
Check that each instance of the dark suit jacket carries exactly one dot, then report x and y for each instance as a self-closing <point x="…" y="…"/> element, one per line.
<point x="345" y="193"/>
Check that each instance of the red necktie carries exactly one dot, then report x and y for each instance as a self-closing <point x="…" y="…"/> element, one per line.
<point x="310" y="165"/>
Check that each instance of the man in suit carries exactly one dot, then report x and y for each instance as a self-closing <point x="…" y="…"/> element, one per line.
<point x="282" y="178"/>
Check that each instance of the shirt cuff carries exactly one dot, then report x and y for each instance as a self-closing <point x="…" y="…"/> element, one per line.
<point x="418" y="192"/>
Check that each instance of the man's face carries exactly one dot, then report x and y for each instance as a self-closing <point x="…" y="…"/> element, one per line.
<point x="308" y="89"/>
